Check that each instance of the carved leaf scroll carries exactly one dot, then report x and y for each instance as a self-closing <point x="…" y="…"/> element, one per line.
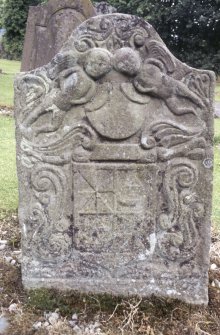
<point x="179" y="235"/>
<point x="48" y="184"/>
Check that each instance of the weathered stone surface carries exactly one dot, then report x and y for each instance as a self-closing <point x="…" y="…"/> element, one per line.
<point x="114" y="156"/>
<point x="49" y="26"/>
<point x="104" y="7"/>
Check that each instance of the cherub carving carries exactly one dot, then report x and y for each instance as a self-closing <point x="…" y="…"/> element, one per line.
<point x="153" y="81"/>
<point x="116" y="83"/>
<point x="73" y="85"/>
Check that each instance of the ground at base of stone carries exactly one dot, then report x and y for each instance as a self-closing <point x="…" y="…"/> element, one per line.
<point x="48" y="312"/>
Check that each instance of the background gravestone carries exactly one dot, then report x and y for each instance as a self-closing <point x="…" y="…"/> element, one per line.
<point x="114" y="155"/>
<point x="49" y="26"/>
<point x="104" y="7"/>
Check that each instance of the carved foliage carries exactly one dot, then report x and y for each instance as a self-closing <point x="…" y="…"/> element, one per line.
<point x="179" y="235"/>
<point x="49" y="229"/>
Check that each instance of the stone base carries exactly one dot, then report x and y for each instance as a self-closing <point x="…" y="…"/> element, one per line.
<point x="189" y="290"/>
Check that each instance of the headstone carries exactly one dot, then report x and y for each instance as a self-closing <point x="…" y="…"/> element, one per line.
<point x="104" y="7"/>
<point x="49" y="26"/>
<point x="115" y="157"/>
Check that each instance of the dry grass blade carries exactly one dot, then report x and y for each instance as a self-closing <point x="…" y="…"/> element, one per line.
<point x="129" y="321"/>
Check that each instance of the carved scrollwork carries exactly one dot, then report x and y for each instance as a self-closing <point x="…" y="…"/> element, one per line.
<point x="48" y="184"/>
<point x="159" y="52"/>
<point x="179" y="235"/>
<point x="77" y="144"/>
<point x="45" y="241"/>
<point x="113" y="33"/>
<point x="84" y="44"/>
<point x="172" y="140"/>
<point x="200" y="84"/>
<point x="30" y="90"/>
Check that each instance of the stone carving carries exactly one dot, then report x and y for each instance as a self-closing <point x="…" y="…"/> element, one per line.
<point x="114" y="141"/>
<point x="49" y="26"/>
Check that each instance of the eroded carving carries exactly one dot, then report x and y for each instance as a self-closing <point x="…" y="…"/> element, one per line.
<point x="179" y="235"/>
<point x="50" y="235"/>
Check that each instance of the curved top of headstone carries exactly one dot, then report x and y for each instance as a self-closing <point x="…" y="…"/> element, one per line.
<point x="126" y="51"/>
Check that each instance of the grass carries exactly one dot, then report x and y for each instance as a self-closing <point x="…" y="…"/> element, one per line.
<point x="8" y="178"/>
<point x="9" y="69"/>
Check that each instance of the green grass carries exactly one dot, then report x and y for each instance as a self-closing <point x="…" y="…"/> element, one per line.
<point x="9" y="69"/>
<point x="8" y="177"/>
<point x="10" y="66"/>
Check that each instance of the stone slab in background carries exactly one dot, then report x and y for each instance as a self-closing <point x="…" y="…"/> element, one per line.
<point x="49" y="26"/>
<point x="114" y="156"/>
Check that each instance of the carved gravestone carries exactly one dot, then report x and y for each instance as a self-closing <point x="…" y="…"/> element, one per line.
<point x="114" y="156"/>
<point x="49" y="26"/>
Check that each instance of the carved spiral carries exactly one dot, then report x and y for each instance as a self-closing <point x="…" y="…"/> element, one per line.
<point x="48" y="179"/>
<point x="186" y="175"/>
<point x="178" y="237"/>
<point x="84" y="44"/>
<point x="180" y="173"/>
